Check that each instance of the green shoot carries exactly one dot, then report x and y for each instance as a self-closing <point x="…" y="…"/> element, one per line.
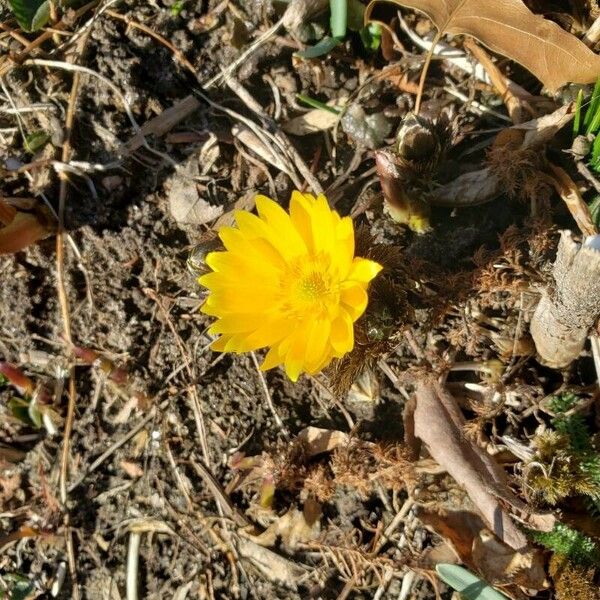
<point x="317" y="104"/>
<point x="339" y="18"/>
<point x="593" y="107"/>
<point x="577" y="119"/>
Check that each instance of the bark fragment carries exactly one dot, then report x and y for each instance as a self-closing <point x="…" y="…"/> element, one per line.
<point x="565" y="314"/>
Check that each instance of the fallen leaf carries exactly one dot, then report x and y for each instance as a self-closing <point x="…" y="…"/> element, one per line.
<point x="20" y="231"/>
<point x="185" y="204"/>
<point x="293" y="527"/>
<point x="469" y="189"/>
<point x="553" y="55"/>
<point x="515" y="98"/>
<point x="319" y="440"/>
<point x="271" y="565"/>
<point x="569" y="192"/>
<point x="478" y="548"/>
<point x="311" y="122"/>
<point x="439" y="423"/>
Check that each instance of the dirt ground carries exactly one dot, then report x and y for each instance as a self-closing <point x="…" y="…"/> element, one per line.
<point x="156" y="460"/>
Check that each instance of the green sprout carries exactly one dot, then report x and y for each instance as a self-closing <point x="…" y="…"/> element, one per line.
<point x="345" y="15"/>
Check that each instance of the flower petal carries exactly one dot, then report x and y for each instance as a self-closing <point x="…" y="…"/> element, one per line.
<point x="342" y="334"/>
<point x="364" y="270"/>
<point x="354" y="296"/>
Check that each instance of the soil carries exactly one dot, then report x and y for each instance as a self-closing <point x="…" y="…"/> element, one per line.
<point x="133" y="300"/>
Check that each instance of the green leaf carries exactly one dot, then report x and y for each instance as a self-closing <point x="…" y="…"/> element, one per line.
<point x="467" y="584"/>
<point x="177" y="8"/>
<point x="31" y="14"/>
<point x="594" y="107"/>
<point x="35" y="141"/>
<point x="21" y="591"/>
<point x="595" y="159"/>
<point x="326" y="45"/>
<point x="577" y="547"/>
<point x="339" y="17"/>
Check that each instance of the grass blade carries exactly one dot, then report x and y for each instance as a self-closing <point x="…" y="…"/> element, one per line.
<point x="594" y="105"/>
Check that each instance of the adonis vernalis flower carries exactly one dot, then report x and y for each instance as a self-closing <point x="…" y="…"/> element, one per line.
<point x="289" y="282"/>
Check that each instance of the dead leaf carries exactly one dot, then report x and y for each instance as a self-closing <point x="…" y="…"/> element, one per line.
<point x="274" y="567"/>
<point x="300" y="12"/>
<point x="314" y="120"/>
<point x="514" y="96"/>
<point x="567" y="189"/>
<point x="185" y="204"/>
<point x="469" y="189"/>
<point x="21" y="229"/>
<point x="319" y="440"/>
<point x="294" y="527"/>
<point x="439" y="423"/>
<point x="478" y="548"/>
<point x="553" y="55"/>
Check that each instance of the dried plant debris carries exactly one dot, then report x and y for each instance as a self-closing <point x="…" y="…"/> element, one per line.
<point x="570" y="306"/>
<point x="370" y="209"/>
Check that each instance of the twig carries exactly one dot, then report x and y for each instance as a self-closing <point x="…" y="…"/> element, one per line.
<point x="133" y="557"/>
<point x="423" y="77"/>
<point x="279" y="137"/>
<point x="585" y="171"/>
<point x="592" y="36"/>
<point x="66" y="319"/>
<point x="269" y="400"/>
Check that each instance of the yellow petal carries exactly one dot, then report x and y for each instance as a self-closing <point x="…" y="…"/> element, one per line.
<point x="272" y="359"/>
<point x="342" y="334"/>
<point x="280" y="221"/>
<point x="364" y="270"/>
<point x="354" y="296"/>
<point x="294" y="358"/>
<point x="317" y="350"/>
<point x="300" y="214"/>
<point x="220" y="344"/>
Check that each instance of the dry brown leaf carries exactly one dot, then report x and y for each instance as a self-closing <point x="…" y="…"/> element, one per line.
<point x="508" y="27"/>
<point x="311" y="122"/>
<point x="469" y="189"/>
<point x="22" y="231"/>
<point x="515" y="98"/>
<point x="482" y="551"/>
<point x="293" y="527"/>
<point x="567" y="189"/>
<point x="271" y="565"/>
<point x="439" y="423"/>
<point x="319" y="440"/>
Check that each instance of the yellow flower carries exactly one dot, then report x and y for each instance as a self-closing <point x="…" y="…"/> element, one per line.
<point x="289" y="282"/>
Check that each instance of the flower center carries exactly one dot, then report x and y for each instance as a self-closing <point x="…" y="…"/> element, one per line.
<point x="313" y="287"/>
